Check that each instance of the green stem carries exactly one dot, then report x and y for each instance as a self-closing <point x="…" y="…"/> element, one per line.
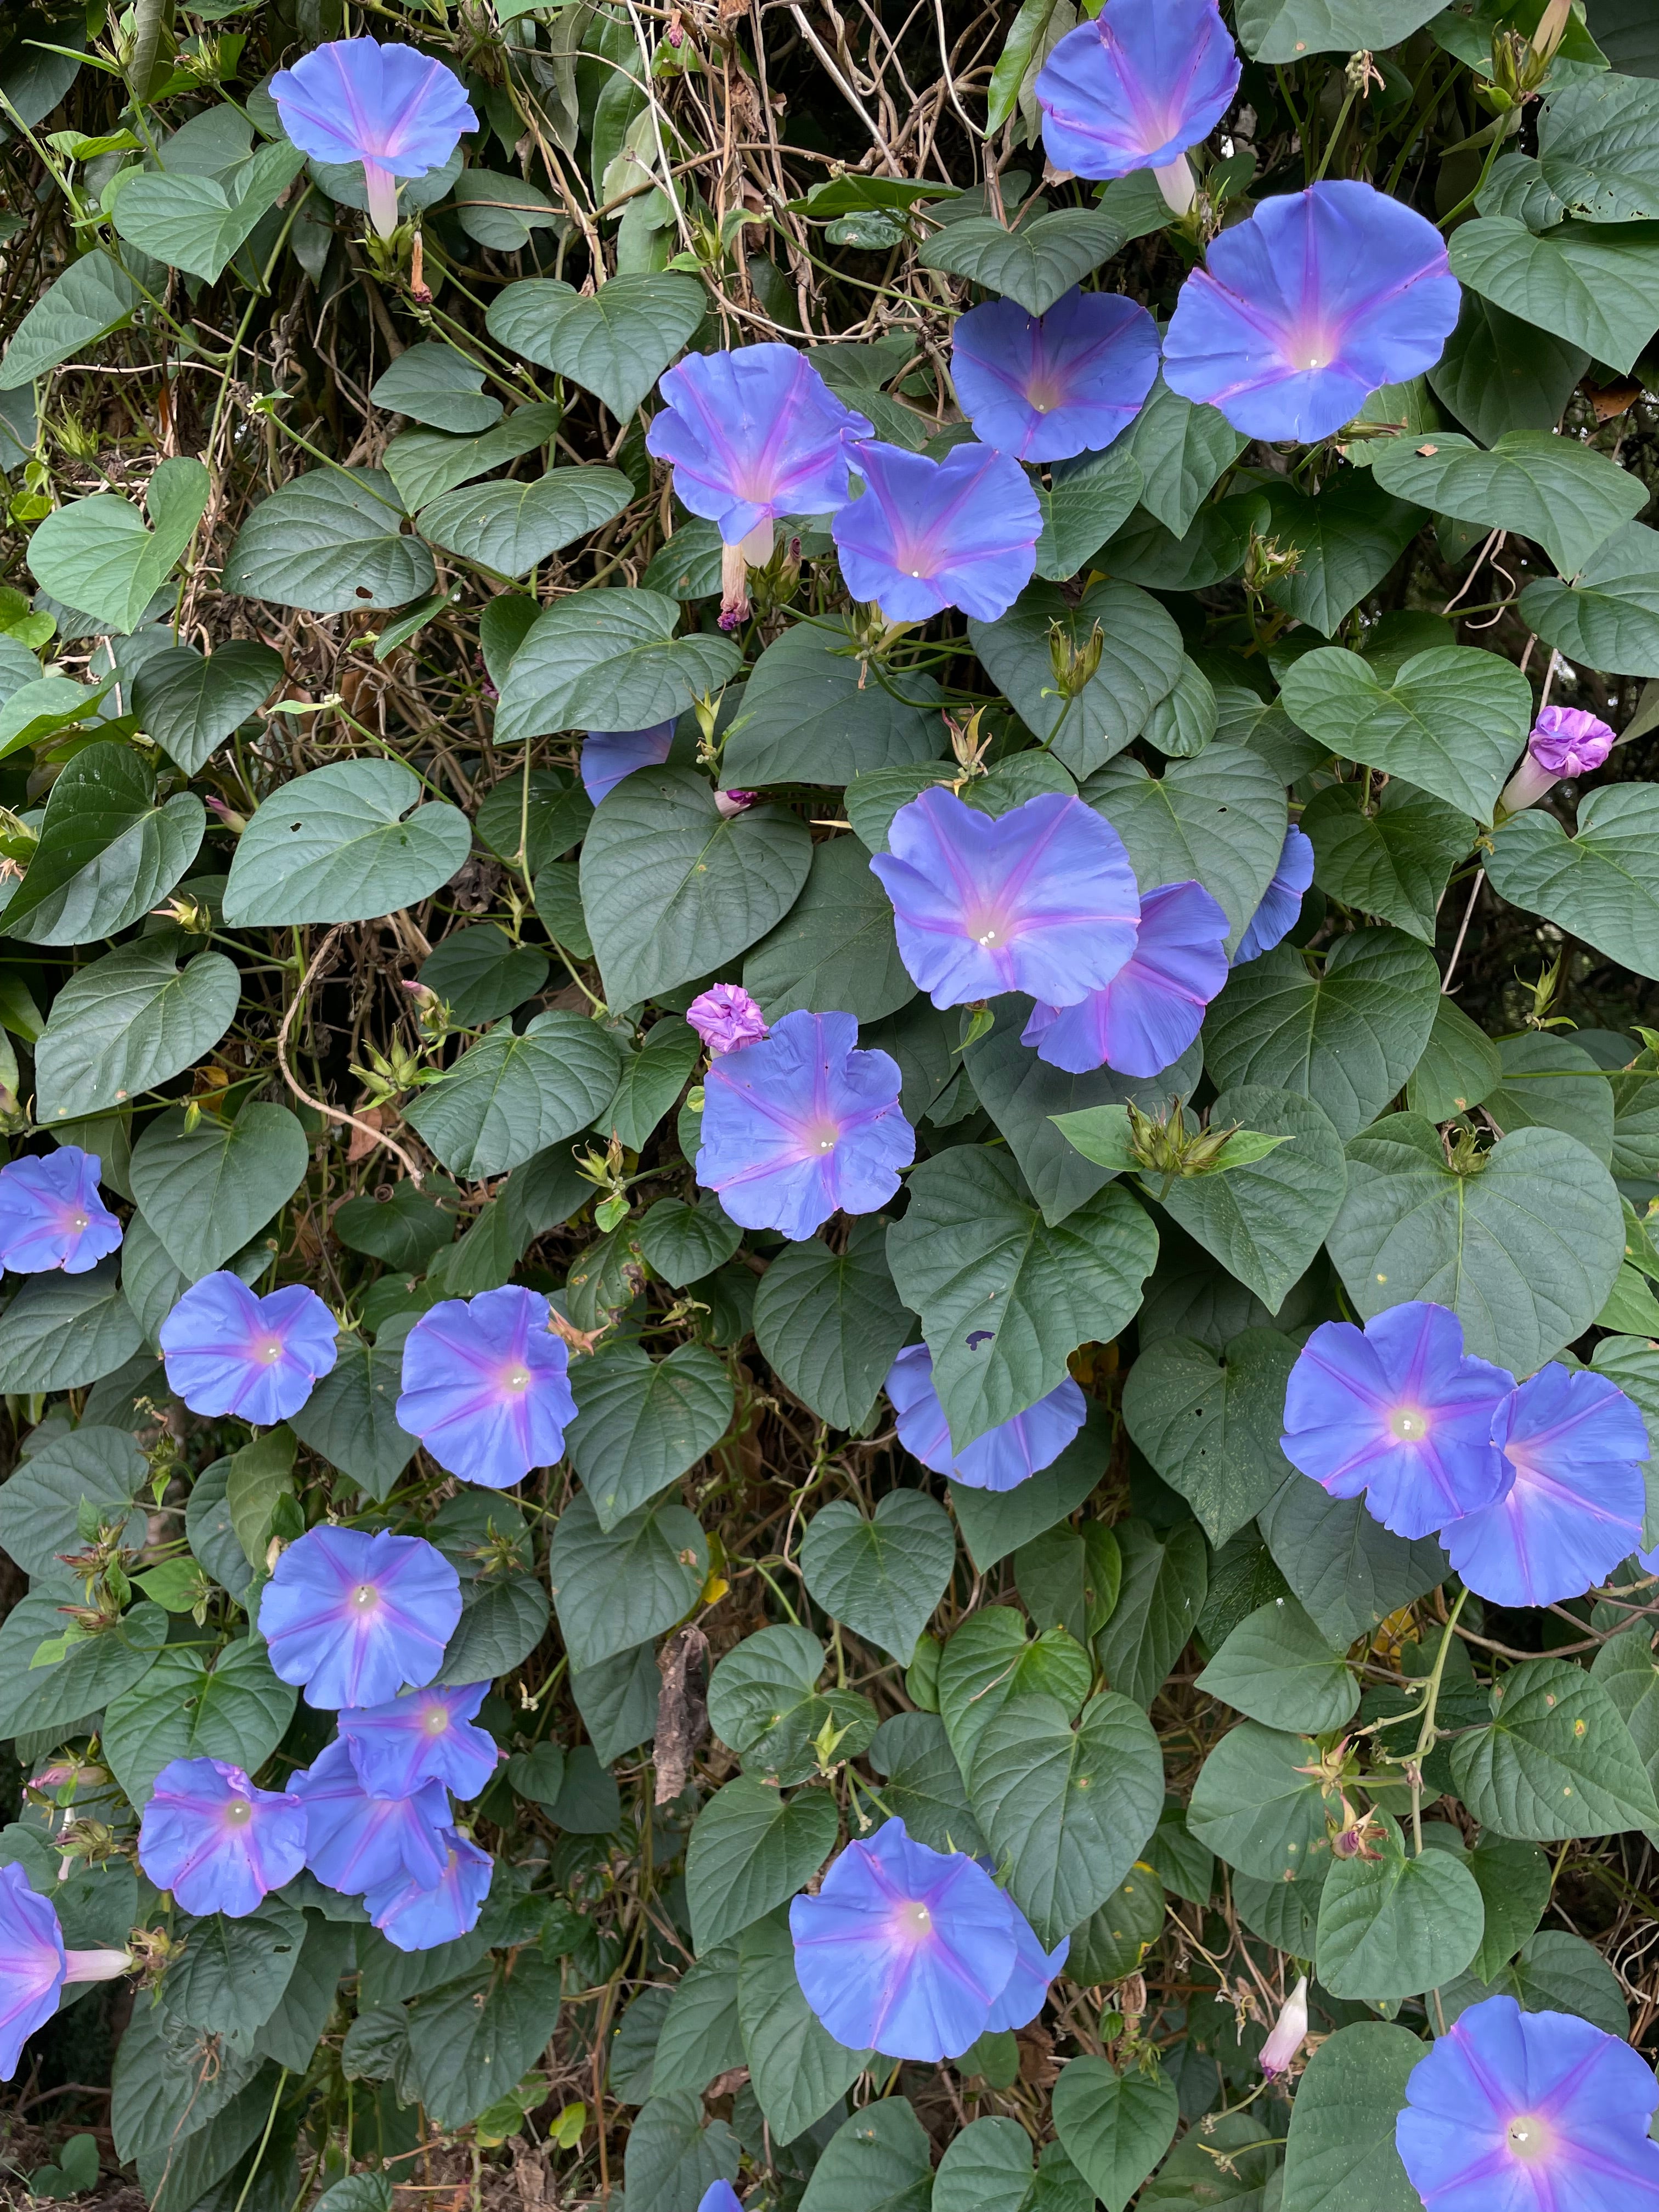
<point x="1425" y="1734"/>
<point x="258" y="2155"/>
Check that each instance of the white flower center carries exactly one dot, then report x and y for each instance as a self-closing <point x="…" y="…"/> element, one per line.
<point x="238" y="1812"/>
<point x="1409" y="1426"/>
<point x="912" y="1919"/>
<point x="271" y="1350"/>
<point x="81" y="1221"/>
<point x="364" y="1596"/>
<point x="1529" y="2136"/>
<point x="435" y="1719"/>
<point x="518" y="1378"/>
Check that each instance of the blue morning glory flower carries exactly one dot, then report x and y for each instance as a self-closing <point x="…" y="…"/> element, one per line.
<point x="419" y="1918"/>
<point x="1153" y="1007"/>
<point x="51" y="1214"/>
<point x="1137" y="86"/>
<point x="217" y="1843"/>
<point x="720" y="2197"/>
<point x="1004" y="1456"/>
<point x="1045" y="387"/>
<point x="425" y="1736"/>
<point x="352" y="1616"/>
<point x="1042" y="899"/>
<point x="1400" y="1411"/>
<point x="229" y="1351"/>
<point x="357" y="1842"/>
<point x="486" y="1388"/>
<point x="391" y="108"/>
<point x="33" y="1964"/>
<point x="927" y="535"/>
<point x="1529" y="2112"/>
<point x="608" y="755"/>
<point x="800" y="1125"/>
<point x="1574" y="1445"/>
<point x="904" y="1950"/>
<point x="754" y="435"/>
<point x="1281" y="902"/>
<point x="1304" y="309"/>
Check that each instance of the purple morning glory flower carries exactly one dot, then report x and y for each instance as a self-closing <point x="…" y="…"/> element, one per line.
<point x="1306" y="308"/>
<point x="1027" y="1988"/>
<point x="419" y="1919"/>
<point x="720" y="2197"/>
<point x="1529" y="2112"/>
<point x="725" y="1016"/>
<point x="1399" y="1411"/>
<point x="217" y="1843"/>
<point x="904" y="1950"/>
<point x="1137" y="86"/>
<point x="1565" y="741"/>
<point x="352" y="1617"/>
<point x="1044" y="387"/>
<point x="801" y="1124"/>
<point x="229" y="1351"/>
<point x="754" y="435"/>
<point x="390" y="108"/>
<point x="927" y="535"/>
<point x="485" y="1387"/>
<point x="1040" y="900"/>
<point x="355" y="1842"/>
<point x="1281" y="902"/>
<point x="34" y="1965"/>
<point x="1575" y="1445"/>
<point x="1004" y="1456"/>
<point x="1153" y="1007"/>
<point x="608" y="755"/>
<point x="424" y="1736"/>
<point x="51" y="1214"/>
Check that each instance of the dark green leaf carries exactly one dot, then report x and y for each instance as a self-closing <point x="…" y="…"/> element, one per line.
<point x="1276" y="1668"/>
<point x="1594" y="285"/>
<point x="878" y="2160"/>
<point x="799" y="2071"/>
<point x="1345" y="1568"/>
<point x="341" y="845"/>
<point x="329" y="541"/>
<point x="107" y="853"/>
<point x="1257" y="1805"/>
<point x="1218" y="819"/>
<point x="881" y="1579"/>
<point x="1114" y="2127"/>
<point x="1452" y="723"/>
<point x="641" y="1423"/>
<point x="1498" y="374"/>
<point x="1608" y="615"/>
<point x="614" y="1587"/>
<point x="207" y="1191"/>
<point x="1340" y="2153"/>
<point x="1211" y="1426"/>
<point x="1140" y="661"/>
<point x="1264" y="1221"/>
<point x="616" y="343"/>
<point x="510" y="1097"/>
<point x="1390" y="859"/>
<point x="1345" y="542"/>
<point x="1524" y="1252"/>
<point x="128" y="1023"/>
<point x="509" y="526"/>
<point x="62" y="1332"/>
<point x="1165" y="1574"/>
<point x="1034" y="265"/>
<point x="1602" y="886"/>
<point x="673" y="888"/>
<point x="237" y="1712"/>
<point x="1557" y="1761"/>
<point x="837" y="945"/>
<point x="815" y="712"/>
<point x="750" y="1849"/>
<point x="1392" y="1925"/>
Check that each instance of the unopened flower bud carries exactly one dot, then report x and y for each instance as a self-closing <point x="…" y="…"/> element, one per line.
<point x="1289" y="2031"/>
<point x="1074" y="664"/>
<point x="725" y="1016"/>
<point x="729" y="803"/>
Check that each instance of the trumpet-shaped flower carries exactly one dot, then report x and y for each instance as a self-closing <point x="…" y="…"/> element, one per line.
<point x="425" y="1736"/>
<point x="34" y="1965"/>
<point x="1153" y="1007"/>
<point x="1289" y="2032"/>
<point x="355" y="1841"/>
<point x="1044" y="387"/>
<point x="1529" y="2112"/>
<point x="1040" y="900"/>
<point x="1573" y="1444"/>
<point x="51" y="1214"/>
<point x="1281" y="902"/>
<point x="1026" y="1990"/>
<point x="1303" y="311"/>
<point x="800" y="1125"/>
<point x="907" y="1950"/>
<point x="999" y="1460"/>
<point x="217" y="1843"/>
<point x="754" y="435"/>
<point x="229" y="1351"/>
<point x="1137" y="86"/>
<point x="725" y="1016"/>
<point x="927" y="535"/>
<point x="419" y="1918"/>
<point x="1565" y="741"/>
<point x="486" y="1386"/>
<point x="352" y="1616"/>
<point x="390" y="108"/>
<point x="1398" y="1411"/>
<point x="608" y="755"/>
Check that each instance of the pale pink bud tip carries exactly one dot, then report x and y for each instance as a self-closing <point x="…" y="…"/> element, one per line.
<point x="95" y="1965"/>
<point x="734" y="802"/>
<point x="1289" y="2031"/>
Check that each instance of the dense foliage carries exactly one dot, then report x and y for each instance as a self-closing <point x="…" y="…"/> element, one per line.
<point x="325" y="549"/>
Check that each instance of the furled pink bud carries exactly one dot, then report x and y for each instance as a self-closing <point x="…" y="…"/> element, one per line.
<point x="1288" y="2032"/>
<point x="1565" y="741"/>
<point x="725" y="1016"/>
<point x="734" y="802"/>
